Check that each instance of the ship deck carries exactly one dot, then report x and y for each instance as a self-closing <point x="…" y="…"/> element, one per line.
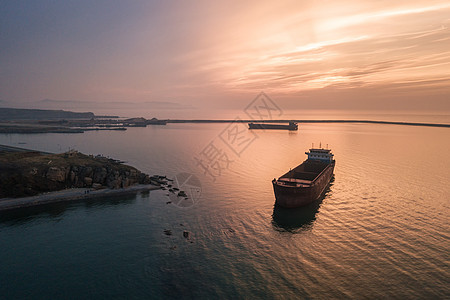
<point x="293" y="182"/>
<point x="304" y="173"/>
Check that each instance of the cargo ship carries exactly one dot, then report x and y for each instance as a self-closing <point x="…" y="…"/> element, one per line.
<point x="290" y="126"/>
<point x="306" y="182"/>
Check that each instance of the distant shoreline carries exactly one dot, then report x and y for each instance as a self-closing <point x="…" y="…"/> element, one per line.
<point x="313" y="121"/>
<point x="15" y="120"/>
<point x="29" y="128"/>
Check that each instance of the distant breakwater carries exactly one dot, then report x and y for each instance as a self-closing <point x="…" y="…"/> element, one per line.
<point x="315" y="121"/>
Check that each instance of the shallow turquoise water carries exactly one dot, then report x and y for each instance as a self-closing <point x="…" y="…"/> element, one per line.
<point x="381" y="231"/>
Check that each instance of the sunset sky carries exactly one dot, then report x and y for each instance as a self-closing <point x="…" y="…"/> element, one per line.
<point x="306" y="54"/>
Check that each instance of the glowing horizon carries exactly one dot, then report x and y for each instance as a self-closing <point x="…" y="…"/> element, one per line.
<point x="203" y="54"/>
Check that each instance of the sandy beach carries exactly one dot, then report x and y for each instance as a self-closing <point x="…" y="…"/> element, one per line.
<point x="71" y="195"/>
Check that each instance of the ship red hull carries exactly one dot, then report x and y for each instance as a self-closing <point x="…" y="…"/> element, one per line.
<point x="291" y="196"/>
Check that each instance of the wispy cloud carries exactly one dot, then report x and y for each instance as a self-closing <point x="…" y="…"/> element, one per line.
<point x="205" y="52"/>
<point x="384" y="56"/>
<point x="377" y="16"/>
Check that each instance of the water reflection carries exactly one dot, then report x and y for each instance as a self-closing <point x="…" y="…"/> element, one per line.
<point x="56" y="211"/>
<point x="111" y="200"/>
<point x="295" y="219"/>
<point x="298" y="219"/>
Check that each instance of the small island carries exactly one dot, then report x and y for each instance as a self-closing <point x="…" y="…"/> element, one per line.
<point x="30" y="173"/>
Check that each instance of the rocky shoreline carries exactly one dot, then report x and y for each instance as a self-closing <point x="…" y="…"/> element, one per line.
<point x="31" y="173"/>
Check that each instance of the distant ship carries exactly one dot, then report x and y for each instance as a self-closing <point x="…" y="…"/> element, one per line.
<point x="290" y="126"/>
<point x="306" y="182"/>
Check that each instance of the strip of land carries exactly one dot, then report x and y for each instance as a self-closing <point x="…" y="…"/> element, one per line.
<point x="14" y="120"/>
<point x="71" y="195"/>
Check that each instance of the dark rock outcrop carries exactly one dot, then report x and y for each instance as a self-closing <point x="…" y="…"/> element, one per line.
<point x="31" y="173"/>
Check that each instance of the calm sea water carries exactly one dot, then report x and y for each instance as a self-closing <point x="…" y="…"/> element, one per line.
<point x="381" y="231"/>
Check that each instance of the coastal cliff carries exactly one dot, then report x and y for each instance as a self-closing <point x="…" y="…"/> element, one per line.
<point x="30" y="173"/>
